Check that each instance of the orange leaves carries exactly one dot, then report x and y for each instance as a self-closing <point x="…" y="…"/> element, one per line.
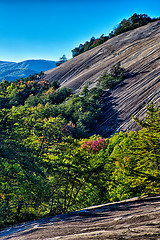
<point x="2" y="196"/>
<point x="51" y="90"/>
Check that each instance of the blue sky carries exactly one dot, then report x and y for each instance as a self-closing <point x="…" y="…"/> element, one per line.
<point x="47" y="29"/>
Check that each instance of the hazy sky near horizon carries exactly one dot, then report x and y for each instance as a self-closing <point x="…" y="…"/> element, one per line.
<point x="47" y="29"/>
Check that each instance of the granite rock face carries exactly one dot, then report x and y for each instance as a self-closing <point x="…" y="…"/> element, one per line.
<point x="138" y="51"/>
<point x="132" y="219"/>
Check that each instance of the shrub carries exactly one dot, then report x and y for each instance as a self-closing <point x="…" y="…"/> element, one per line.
<point x="96" y="145"/>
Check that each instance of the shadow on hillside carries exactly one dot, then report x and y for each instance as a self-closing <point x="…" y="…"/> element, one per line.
<point x="109" y="122"/>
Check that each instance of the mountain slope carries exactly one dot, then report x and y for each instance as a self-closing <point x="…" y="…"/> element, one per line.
<point x="11" y="70"/>
<point x="139" y="53"/>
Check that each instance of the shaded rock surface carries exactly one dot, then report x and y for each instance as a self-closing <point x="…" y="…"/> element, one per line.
<point x="139" y="53"/>
<point x="132" y="219"/>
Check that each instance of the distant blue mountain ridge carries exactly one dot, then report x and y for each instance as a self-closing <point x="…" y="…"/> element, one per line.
<point x="11" y="70"/>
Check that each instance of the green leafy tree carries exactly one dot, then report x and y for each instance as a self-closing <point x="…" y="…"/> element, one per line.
<point x="109" y="80"/>
<point x="63" y="59"/>
<point x="137" y="160"/>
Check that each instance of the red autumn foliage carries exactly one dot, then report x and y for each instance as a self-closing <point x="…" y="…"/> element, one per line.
<point x="95" y="146"/>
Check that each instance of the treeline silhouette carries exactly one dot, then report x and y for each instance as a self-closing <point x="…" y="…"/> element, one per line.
<point x="135" y="21"/>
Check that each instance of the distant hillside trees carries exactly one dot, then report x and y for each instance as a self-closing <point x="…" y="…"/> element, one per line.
<point x="135" y="21"/>
<point x="89" y="45"/>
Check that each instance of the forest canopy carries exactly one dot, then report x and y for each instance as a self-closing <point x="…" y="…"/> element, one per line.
<point x="49" y="164"/>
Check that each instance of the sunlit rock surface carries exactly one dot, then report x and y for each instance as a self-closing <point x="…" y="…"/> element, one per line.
<point x="138" y="51"/>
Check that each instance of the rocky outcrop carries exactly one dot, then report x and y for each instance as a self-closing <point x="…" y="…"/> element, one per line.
<point x="130" y="219"/>
<point x="139" y="53"/>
